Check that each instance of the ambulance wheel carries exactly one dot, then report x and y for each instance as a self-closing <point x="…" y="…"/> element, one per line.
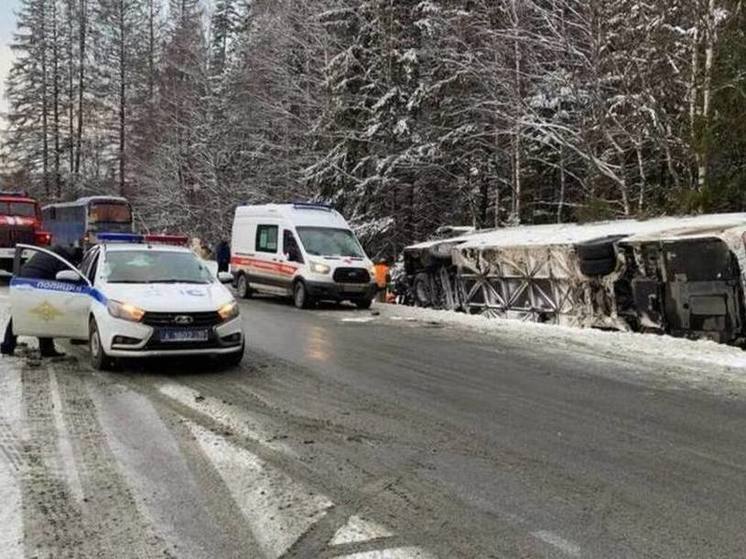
<point x="242" y="287"/>
<point x="99" y="360"/>
<point x="301" y="299"/>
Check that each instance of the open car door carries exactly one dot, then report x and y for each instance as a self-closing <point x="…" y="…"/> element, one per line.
<point x="49" y="308"/>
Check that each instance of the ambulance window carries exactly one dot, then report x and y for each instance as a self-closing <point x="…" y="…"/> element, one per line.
<point x="290" y="247"/>
<point x="266" y="238"/>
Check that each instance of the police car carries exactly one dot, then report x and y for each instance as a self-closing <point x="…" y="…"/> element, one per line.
<point x="132" y="297"/>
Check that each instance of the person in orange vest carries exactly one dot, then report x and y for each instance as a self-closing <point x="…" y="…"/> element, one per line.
<point x="383" y="277"/>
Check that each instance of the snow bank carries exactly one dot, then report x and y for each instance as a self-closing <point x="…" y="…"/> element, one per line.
<point x="705" y="359"/>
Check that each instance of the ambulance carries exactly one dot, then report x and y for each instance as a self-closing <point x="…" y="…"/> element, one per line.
<point x="304" y="251"/>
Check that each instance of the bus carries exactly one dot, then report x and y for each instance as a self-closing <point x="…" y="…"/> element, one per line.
<point x="77" y="223"/>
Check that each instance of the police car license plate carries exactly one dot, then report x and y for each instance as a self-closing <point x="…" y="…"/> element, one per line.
<point x="183" y="335"/>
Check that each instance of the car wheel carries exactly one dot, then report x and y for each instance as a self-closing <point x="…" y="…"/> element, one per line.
<point x="233" y="359"/>
<point x="301" y="298"/>
<point x="99" y="359"/>
<point x="242" y="287"/>
<point x="364" y="304"/>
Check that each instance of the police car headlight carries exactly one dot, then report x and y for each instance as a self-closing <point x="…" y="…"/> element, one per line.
<point x="318" y="268"/>
<point x="229" y="311"/>
<point x="125" y="311"/>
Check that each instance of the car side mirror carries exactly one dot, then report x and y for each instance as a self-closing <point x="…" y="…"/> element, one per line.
<point x="225" y="277"/>
<point x="68" y="276"/>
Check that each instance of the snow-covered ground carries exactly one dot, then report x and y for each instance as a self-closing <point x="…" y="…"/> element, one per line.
<point x="696" y="362"/>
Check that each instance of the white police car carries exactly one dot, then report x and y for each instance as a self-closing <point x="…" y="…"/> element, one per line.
<point x="132" y="297"/>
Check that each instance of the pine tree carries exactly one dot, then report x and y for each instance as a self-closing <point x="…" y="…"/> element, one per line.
<point x="27" y="91"/>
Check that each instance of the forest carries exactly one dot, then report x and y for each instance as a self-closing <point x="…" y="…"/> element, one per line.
<point x="405" y="115"/>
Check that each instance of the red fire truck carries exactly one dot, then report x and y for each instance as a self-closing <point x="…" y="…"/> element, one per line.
<point x="20" y="222"/>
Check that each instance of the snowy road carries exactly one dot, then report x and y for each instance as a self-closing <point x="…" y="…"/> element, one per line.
<point x="346" y="434"/>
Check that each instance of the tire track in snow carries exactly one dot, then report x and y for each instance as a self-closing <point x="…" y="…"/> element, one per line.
<point x="110" y="508"/>
<point x="11" y="462"/>
<point x="53" y="522"/>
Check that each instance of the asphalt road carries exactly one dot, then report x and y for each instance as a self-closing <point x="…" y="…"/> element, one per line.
<point x="345" y="434"/>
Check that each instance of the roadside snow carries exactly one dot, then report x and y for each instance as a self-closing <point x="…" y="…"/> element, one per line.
<point x="359" y="529"/>
<point x="233" y="418"/>
<point x="695" y="361"/>
<point x="11" y="463"/>
<point x="278" y="509"/>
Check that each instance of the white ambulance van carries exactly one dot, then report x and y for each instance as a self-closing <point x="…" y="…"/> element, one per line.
<point x="304" y="251"/>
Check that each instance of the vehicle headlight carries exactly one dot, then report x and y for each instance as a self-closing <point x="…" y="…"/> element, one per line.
<point x="318" y="268"/>
<point x="229" y="311"/>
<point x="125" y="311"/>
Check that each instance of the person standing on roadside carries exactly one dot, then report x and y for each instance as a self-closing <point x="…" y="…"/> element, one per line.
<point x="223" y="255"/>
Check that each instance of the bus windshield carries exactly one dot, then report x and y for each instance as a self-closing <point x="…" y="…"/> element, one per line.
<point x="325" y="241"/>
<point x="21" y="209"/>
<point x="110" y="212"/>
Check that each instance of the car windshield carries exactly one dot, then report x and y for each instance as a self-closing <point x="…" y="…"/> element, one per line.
<point x="153" y="266"/>
<point x="21" y="209"/>
<point x="325" y="241"/>
<point x="110" y="213"/>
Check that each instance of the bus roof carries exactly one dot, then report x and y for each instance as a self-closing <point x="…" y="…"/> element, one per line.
<point x="87" y="200"/>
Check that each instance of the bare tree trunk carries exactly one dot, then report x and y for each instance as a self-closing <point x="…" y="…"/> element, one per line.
<point x="151" y="50"/>
<point x="56" y="100"/>
<point x="122" y="99"/>
<point x="643" y="178"/>
<point x="710" y="38"/>
<point x="694" y="96"/>
<point x="563" y="186"/>
<point x="44" y="97"/>
<point x="81" y="84"/>
<point x="669" y="157"/>
<point x="70" y="88"/>
<point x="517" y="159"/>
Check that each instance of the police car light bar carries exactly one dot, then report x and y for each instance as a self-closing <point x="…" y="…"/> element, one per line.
<point x="312" y="206"/>
<point x="119" y="238"/>
<point x="174" y="240"/>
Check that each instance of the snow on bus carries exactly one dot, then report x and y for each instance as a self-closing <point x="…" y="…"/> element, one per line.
<point x="684" y="276"/>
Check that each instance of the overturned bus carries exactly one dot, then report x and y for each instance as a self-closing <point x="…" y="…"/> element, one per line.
<point x="683" y="276"/>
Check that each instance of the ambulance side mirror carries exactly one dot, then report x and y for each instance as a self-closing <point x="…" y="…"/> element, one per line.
<point x="68" y="276"/>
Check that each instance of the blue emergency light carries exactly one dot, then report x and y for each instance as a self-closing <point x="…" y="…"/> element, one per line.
<point x="119" y="238"/>
<point x="312" y="206"/>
